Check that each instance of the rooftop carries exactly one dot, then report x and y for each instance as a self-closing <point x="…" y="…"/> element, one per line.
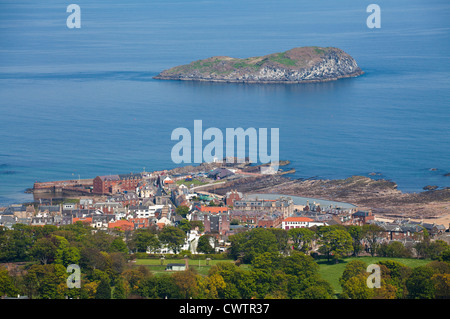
<point x="297" y="219"/>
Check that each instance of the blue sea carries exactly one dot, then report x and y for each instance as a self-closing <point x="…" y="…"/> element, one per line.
<point x="77" y="103"/>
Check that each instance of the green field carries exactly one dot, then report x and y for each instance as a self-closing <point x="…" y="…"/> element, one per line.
<point x="332" y="272"/>
<point x="329" y="271"/>
<point x="194" y="182"/>
<point x="199" y="265"/>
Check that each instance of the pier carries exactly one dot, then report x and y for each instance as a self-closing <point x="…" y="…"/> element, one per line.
<point x="78" y="186"/>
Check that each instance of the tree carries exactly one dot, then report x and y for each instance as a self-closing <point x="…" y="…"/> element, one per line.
<point x="420" y="284"/>
<point x="119" y="290"/>
<point x="353" y="269"/>
<point x="210" y="286"/>
<point x="354" y="283"/>
<point x="356" y="288"/>
<point x="173" y="237"/>
<point x="103" y="290"/>
<point x="143" y="240"/>
<point x="302" y="238"/>
<point x="282" y="238"/>
<point x="234" y="221"/>
<point x="356" y="232"/>
<point x="44" y="250"/>
<point x="441" y="278"/>
<point x="118" y="245"/>
<point x="239" y="283"/>
<point x="429" y="249"/>
<point x="197" y="224"/>
<point x="118" y="263"/>
<point x="99" y="240"/>
<point x="186" y="281"/>
<point x="394" y="249"/>
<point x="204" y="245"/>
<point x="146" y="287"/>
<point x="268" y="261"/>
<point x="187" y="225"/>
<point x="45" y="231"/>
<point x="7" y="287"/>
<point x="302" y="273"/>
<point x="396" y="274"/>
<point x="441" y="284"/>
<point x="165" y="287"/>
<point x="15" y="243"/>
<point x="78" y="230"/>
<point x="318" y="291"/>
<point x="88" y="290"/>
<point x="386" y="291"/>
<point x="263" y="270"/>
<point x="335" y="242"/>
<point x="371" y="234"/>
<point x="252" y="243"/>
<point x="91" y="258"/>
<point x="65" y="254"/>
<point x="445" y="256"/>
<point x="136" y="281"/>
<point x="421" y="249"/>
<point x="99" y="275"/>
<point x="45" y="281"/>
<point x="182" y="210"/>
<point x="439" y="267"/>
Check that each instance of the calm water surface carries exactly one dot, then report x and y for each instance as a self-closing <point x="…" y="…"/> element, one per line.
<point x="82" y="103"/>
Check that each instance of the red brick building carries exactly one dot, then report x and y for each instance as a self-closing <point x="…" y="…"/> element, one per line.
<point x="214" y="210"/>
<point x="140" y="222"/>
<point x="219" y="223"/>
<point x="259" y="219"/>
<point x="232" y="196"/>
<point x="110" y="184"/>
<point x="361" y="217"/>
<point x="244" y="217"/>
<point x="270" y="221"/>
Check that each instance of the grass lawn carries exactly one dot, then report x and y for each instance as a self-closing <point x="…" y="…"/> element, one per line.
<point x="332" y="272"/>
<point x="199" y="265"/>
<point x="194" y="182"/>
<point x="329" y="271"/>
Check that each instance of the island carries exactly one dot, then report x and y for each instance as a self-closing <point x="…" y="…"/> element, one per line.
<point x="298" y="65"/>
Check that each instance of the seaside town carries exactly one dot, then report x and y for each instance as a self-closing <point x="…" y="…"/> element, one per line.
<point x="134" y="201"/>
<point x="174" y="221"/>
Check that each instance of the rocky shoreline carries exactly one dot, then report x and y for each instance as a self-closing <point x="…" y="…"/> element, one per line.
<point x="367" y="193"/>
<point x="381" y="196"/>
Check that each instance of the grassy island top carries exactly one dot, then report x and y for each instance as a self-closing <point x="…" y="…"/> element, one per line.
<point x="305" y="64"/>
<point x="294" y="58"/>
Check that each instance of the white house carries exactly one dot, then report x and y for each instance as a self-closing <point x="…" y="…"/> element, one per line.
<point x="191" y="241"/>
<point x="299" y="222"/>
<point x="143" y="211"/>
<point x="69" y="206"/>
<point x="120" y="213"/>
<point x="145" y="191"/>
<point x="163" y="221"/>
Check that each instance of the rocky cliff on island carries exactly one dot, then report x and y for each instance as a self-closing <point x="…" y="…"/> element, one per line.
<point x="298" y="65"/>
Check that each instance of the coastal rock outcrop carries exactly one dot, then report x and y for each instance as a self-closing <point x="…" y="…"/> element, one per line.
<point x="298" y="65"/>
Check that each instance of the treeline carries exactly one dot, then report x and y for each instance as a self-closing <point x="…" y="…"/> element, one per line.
<point x="333" y="243"/>
<point x="282" y="264"/>
<point x="271" y="276"/>
<point x="398" y="281"/>
<point x="103" y="257"/>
